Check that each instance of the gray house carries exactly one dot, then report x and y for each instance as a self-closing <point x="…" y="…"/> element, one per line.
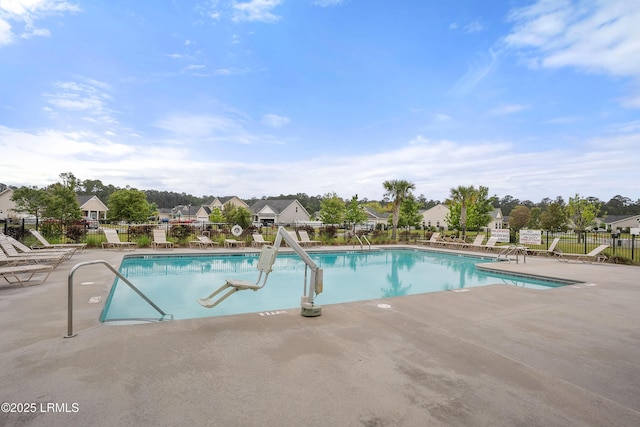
<point x="279" y="211"/>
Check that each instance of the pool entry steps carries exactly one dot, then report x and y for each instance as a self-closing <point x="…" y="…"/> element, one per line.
<point x="265" y="263"/>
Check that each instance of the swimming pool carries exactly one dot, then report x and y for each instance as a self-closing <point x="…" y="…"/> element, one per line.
<point x="175" y="282"/>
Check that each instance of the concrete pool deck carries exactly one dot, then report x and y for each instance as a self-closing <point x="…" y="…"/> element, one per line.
<point x="495" y="355"/>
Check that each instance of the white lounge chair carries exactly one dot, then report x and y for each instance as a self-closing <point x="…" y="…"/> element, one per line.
<point x="10" y="256"/>
<point x="305" y="240"/>
<point x="203" y="242"/>
<point x="594" y="255"/>
<point x="433" y="239"/>
<point x="265" y="264"/>
<point x="24" y="249"/>
<point x="233" y="243"/>
<point x="258" y="240"/>
<point x="113" y="241"/>
<point x="45" y="244"/>
<point x="549" y="251"/>
<point x="477" y="243"/>
<point x="160" y="240"/>
<point x="23" y="274"/>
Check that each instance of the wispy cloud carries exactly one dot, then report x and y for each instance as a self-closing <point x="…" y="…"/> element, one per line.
<point x="25" y="15"/>
<point x="506" y="109"/>
<point x="594" y="36"/>
<point x="89" y="97"/>
<point x="327" y="3"/>
<point x="484" y="65"/>
<point x="255" y="10"/>
<point x="275" y="121"/>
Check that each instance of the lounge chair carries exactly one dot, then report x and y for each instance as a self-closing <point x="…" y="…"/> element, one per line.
<point x="477" y="243"/>
<point x="433" y="239"/>
<point x="10" y="256"/>
<point x="45" y="244"/>
<point x="294" y="236"/>
<point x="160" y="240"/>
<point x="233" y="243"/>
<point x="491" y="244"/>
<point x="203" y="242"/>
<point x="265" y="264"/>
<point x="305" y="240"/>
<point x="67" y="252"/>
<point x="594" y="255"/>
<point x="23" y="274"/>
<point x="258" y="240"/>
<point x="549" y="251"/>
<point x="113" y="241"/>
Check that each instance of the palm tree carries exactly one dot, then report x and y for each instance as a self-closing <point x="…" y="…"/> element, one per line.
<point x="399" y="189"/>
<point x="463" y="196"/>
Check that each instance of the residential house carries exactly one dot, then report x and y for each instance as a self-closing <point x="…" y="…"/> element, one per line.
<point x="374" y="217"/>
<point x="279" y="211"/>
<point x="92" y="207"/>
<point x="616" y="223"/>
<point x="497" y="220"/>
<point x="435" y="217"/>
<point x="7" y="206"/>
<point x="203" y="212"/>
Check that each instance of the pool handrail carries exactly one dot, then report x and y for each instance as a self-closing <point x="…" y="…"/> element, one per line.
<point x="70" y="333"/>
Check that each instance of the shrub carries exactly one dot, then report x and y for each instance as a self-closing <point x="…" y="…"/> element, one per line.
<point x="329" y="231"/>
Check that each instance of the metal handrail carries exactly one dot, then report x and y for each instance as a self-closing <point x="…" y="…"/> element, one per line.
<point x="359" y="240"/>
<point x="70" y="333"/>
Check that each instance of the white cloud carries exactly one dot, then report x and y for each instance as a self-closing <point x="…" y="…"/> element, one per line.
<point x="327" y="3"/>
<point x="275" y="121"/>
<point x="596" y="36"/>
<point x="255" y="10"/>
<point x="434" y="166"/>
<point x="87" y="96"/>
<point x="25" y="13"/>
<point x="507" y="109"/>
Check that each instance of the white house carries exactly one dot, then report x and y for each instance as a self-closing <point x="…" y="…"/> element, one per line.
<point x="619" y="222"/>
<point x="92" y="207"/>
<point x="374" y="217"/>
<point x="203" y="212"/>
<point x="7" y="206"/>
<point x="497" y="220"/>
<point x="279" y="211"/>
<point x="435" y="217"/>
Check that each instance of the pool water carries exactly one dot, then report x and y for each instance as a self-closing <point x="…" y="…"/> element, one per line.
<point x="175" y="282"/>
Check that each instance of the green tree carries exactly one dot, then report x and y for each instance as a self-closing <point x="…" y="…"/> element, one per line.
<point x="31" y="200"/>
<point x="553" y="218"/>
<point x="463" y="197"/>
<point x="582" y="212"/>
<point x="216" y="216"/>
<point x="519" y="218"/>
<point x="237" y="215"/>
<point x="129" y="205"/>
<point x="332" y="209"/>
<point x="479" y="213"/>
<point x="399" y="190"/>
<point x="61" y="202"/>
<point x="410" y="213"/>
<point x="354" y="212"/>
<point x="534" y="220"/>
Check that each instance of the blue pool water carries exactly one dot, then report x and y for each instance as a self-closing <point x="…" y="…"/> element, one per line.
<point x="175" y="282"/>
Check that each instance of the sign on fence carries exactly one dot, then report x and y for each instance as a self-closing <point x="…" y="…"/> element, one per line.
<point x="530" y="237"/>
<point x="501" y="234"/>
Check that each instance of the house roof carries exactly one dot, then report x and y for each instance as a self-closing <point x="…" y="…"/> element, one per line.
<point x="610" y="219"/>
<point x="375" y="213"/>
<point x="276" y="205"/>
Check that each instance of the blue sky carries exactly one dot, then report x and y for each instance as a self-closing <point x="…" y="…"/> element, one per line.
<point x="252" y="98"/>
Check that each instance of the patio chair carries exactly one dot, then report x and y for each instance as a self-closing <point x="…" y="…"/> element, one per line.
<point x="233" y="243"/>
<point x="294" y="236"/>
<point x="45" y="244"/>
<point x="594" y="255"/>
<point x="491" y="244"/>
<point x="265" y="264"/>
<point x="433" y="239"/>
<point x="113" y="241"/>
<point x="23" y="274"/>
<point x="305" y="240"/>
<point x="10" y="256"/>
<point x="477" y="243"/>
<point x="203" y="242"/>
<point x="160" y="240"/>
<point x="551" y="250"/>
<point x="258" y="240"/>
<point x="67" y="252"/>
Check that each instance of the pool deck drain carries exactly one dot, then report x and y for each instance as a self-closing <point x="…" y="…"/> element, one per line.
<point x="500" y="355"/>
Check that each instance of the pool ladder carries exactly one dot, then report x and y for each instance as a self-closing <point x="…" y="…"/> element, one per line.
<point x="70" y="333"/>
<point x="360" y="240"/>
<point x="514" y="250"/>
